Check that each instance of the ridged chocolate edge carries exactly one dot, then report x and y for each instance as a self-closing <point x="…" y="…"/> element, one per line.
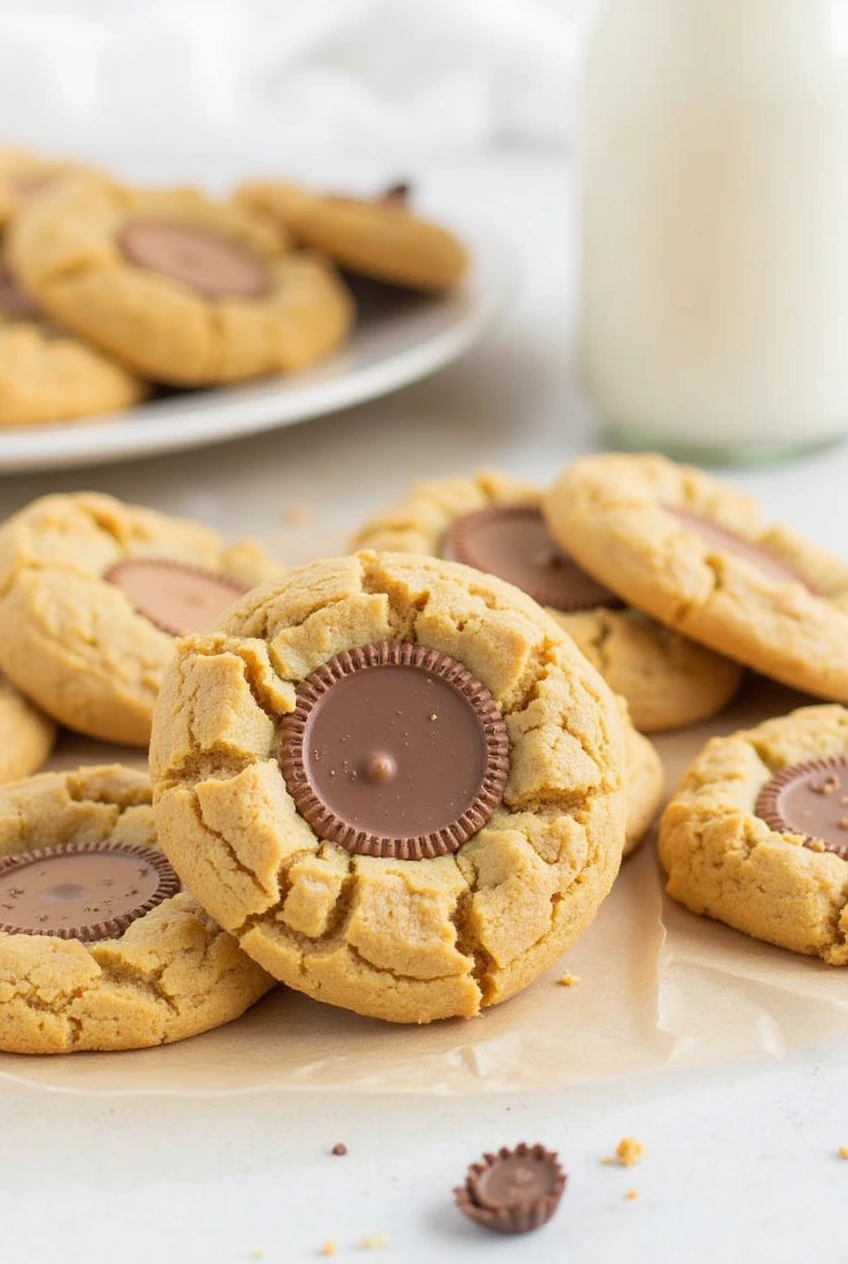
<point x="238" y="586"/>
<point x="456" y="540"/>
<point x="523" y="1217"/>
<point x="169" y="885"/>
<point x="327" y="825"/>
<point x="767" y="806"/>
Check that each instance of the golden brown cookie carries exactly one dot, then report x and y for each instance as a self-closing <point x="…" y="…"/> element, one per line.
<point x="47" y="376"/>
<point x="696" y="555"/>
<point x="756" y="834"/>
<point x="26" y="735"/>
<point x="92" y="593"/>
<point x="395" y="781"/>
<point x="379" y="238"/>
<point x="644" y="786"/>
<point x="99" y="946"/>
<point x="492" y="521"/>
<point x="178" y="288"/>
<point x="25" y="175"/>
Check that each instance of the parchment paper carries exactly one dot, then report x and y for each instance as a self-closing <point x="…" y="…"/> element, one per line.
<point x="658" y="987"/>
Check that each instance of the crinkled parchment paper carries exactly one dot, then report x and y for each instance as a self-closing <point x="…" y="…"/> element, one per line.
<point x="658" y="987"/>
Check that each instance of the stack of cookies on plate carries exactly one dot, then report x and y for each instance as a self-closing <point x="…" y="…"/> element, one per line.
<point x="107" y="291"/>
<point x="401" y="781"/>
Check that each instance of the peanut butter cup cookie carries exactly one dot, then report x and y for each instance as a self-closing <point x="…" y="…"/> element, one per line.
<point x="179" y="288"/>
<point x="696" y="555"/>
<point x="495" y="523"/>
<point x="92" y="594"/>
<point x="99" y="946"/>
<point x="381" y="238"/>
<point x="395" y="781"/>
<point x="25" y="175"/>
<point x="756" y="834"/>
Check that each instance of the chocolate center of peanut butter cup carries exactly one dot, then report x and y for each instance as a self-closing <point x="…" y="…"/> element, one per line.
<point x="516" y="1179"/>
<point x="215" y="265"/>
<point x="85" y="891"/>
<point x="395" y="750"/>
<point x="810" y="799"/>
<point x="513" y="542"/>
<point x="177" y="599"/>
<point x="725" y="541"/>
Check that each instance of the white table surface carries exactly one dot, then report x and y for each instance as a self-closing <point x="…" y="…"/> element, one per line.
<point x="741" y="1161"/>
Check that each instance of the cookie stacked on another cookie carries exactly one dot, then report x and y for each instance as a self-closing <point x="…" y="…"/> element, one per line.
<point x="93" y="593"/>
<point x="395" y="781"/>
<point x="696" y="554"/>
<point x="99" y="946"/>
<point x="180" y="289"/>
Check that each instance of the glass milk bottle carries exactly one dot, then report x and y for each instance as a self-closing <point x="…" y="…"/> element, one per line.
<point x="714" y="168"/>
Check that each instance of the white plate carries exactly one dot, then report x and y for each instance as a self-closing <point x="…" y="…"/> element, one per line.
<point x="386" y="352"/>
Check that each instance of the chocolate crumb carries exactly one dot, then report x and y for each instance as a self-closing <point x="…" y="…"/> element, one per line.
<point x="339" y="1148"/>
<point x="629" y="1152"/>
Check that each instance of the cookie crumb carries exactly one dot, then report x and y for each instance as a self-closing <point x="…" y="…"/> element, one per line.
<point x="329" y="1248"/>
<point x="843" y="1152"/>
<point x="257" y="1253"/>
<point x="631" y="1194"/>
<point x="299" y="515"/>
<point x="374" y="1242"/>
<point x="608" y="1160"/>
<point x="339" y="1148"/>
<point x="569" y="980"/>
<point x="629" y="1152"/>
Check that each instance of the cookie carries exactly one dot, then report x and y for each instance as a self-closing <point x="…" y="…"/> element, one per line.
<point x="394" y="780"/>
<point x="379" y="238"/>
<point x="756" y="834"/>
<point x="25" y="175"/>
<point x="493" y="522"/>
<point x="92" y="594"/>
<point x="644" y="785"/>
<point x="47" y="376"/>
<point x="26" y="735"/>
<point x="696" y="555"/>
<point x="180" y="289"/>
<point x="100" y="948"/>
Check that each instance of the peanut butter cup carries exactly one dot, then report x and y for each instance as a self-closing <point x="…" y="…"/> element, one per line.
<point x="175" y="598"/>
<point x="395" y="750"/>
<point x="810" y="799"/>
<point x="513" y="542"/>
<point x="85" y="891"/>
<point x="513" y="1191"/>
<point x="209" y="262"/>
<point x="728" y="542"/>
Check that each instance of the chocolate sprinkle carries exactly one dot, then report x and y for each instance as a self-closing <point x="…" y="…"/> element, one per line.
<point x="804" y="799"/>
<point x="50" y="890"/>
<point x="513" y="1191"/>
<point x="395" y="750"/>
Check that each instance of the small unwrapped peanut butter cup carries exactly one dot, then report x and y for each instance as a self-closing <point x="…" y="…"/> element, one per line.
<point x="176" y="598"/>
<point x="513" y="1191"/>
<point x="85" y="891"/>
<point x="209" y="262"/>
<point x="395" y="750"/>
<point x="513" y="542"/>
<point x="810" y="799"/>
